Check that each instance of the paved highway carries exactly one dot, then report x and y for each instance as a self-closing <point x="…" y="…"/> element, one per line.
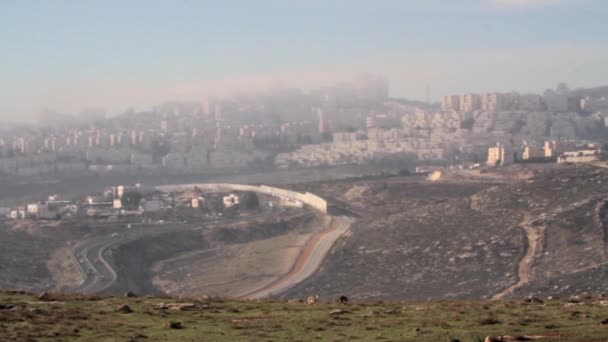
<point x="92" y="255"/>
<point x="98" y="272"/>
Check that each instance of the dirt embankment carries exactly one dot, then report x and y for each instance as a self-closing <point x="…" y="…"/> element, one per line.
<point x="157" y="264"/>
<point x="133" y="261"/>
<point x="64" y="269"/>
<point x="259" y="230"/>
<point x="23" y="258"/>
<point x="229" y="270"/>
<point x="309" y="260"/>
<point x="242" y="259"/>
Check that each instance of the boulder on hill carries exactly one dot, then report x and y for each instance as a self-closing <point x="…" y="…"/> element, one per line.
<point x="124" y="309"/>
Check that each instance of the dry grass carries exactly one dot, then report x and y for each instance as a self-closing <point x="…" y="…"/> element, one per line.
<point x="92" y="318"/>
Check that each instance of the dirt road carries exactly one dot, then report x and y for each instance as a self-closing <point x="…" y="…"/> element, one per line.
<point x="309" y="261"/>
<point x="525" y="265"/>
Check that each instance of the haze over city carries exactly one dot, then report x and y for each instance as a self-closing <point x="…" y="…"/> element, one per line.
<point x="288" y="170"/>
<point x="67" y="56"/>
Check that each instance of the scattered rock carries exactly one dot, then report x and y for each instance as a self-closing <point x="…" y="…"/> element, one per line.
<point x="423" y="308"/>
<point x="176" y="306"/>
<point x="489" y="321"/>
<point x="34" y="311"/>
<point x="184" y="307"/>
<point x="343" y="300"/>
<point x="339" y="312"/>
<point x="137" y="337"/>
<point x="507" y="338"/>
<point x="174" y="325"/>
<point x="533" y="300"/>
<point x="391" y="312"/>
<point x="494" y="339"/>
<point x="124" y="309"/>
<point x="386" y="312"/>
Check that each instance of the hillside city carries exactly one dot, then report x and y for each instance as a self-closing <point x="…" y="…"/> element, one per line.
<point x="354" y="122"/>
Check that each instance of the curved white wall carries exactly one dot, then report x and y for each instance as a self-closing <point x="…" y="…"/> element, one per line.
<point x="307" y="198"/>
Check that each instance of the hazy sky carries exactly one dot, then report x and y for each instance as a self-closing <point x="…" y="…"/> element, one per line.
<point x="71" y="54"/>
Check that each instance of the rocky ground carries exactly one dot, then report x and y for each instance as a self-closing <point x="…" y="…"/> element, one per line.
<point x="460" y="239"/>
<point x="465" y="236"/>
<point x="54" y="317"/>
<point x="25" y="251"/>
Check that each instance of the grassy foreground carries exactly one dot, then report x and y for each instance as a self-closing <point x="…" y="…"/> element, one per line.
<point x="25" y="317"/>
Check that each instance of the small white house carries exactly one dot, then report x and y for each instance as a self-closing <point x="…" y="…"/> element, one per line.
<point x="230" y="200"/>
<point x="17" y="214"/>
<point x="33" y="208"/>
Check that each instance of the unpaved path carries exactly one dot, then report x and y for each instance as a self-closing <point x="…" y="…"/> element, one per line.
<point x="308" y="262"/>
<point x="525" y="265"/>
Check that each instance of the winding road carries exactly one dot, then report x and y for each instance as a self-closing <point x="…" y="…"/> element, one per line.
<point x="92" y="257"/>
<point x="100" y="276"/>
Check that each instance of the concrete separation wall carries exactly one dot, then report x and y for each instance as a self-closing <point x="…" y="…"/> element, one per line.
<point x="307" y="198"/>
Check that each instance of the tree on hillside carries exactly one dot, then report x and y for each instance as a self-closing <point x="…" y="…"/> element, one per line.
<point x="249" y="200"/>
<point x="131" y="200"/>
